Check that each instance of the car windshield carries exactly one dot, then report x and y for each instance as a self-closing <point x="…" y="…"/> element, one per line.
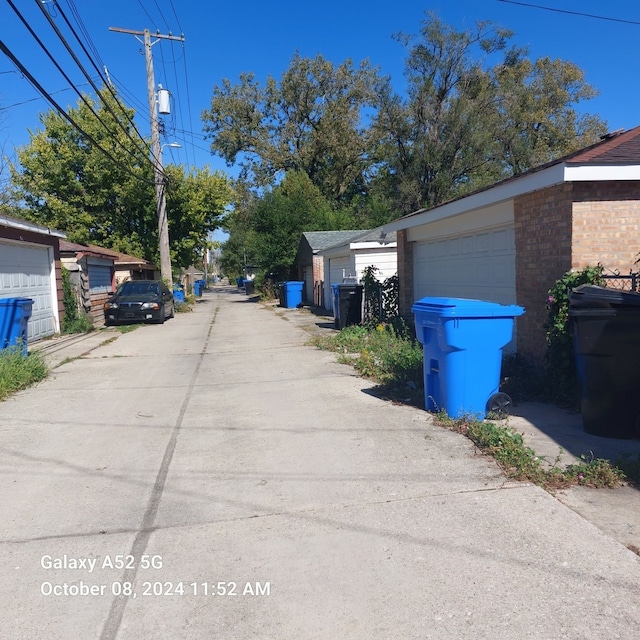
<point x="134" y="288"/>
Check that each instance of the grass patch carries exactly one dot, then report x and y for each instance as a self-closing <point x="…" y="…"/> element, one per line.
<point x="18" y="371"/>
<point x="520" y="462"/>
<point x="80" y="324"/>
<point x="186" y="306"/>
<point x="127" y="328"/>
<point x="386" y="354"/>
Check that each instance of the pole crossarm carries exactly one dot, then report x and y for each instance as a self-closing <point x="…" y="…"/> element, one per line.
<point x="160" y="36"/>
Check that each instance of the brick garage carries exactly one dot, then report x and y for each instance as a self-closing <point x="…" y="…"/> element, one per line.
<point x="580" y="210"/>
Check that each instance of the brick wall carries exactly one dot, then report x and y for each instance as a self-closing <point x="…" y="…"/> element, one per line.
<point x="606" y="225"/>
<point x="569" y="226"/>
<point x="405" y="273"/>
<point x="543" y="228"/>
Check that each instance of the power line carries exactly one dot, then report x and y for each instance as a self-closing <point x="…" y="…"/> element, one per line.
<point x="162" y="15"/>
<point x="105" y="83"/>
<point x="573" y="13"/>
<point x="64" y="114"/>
<point x="53" y="93"/>
<point x="68" y="79"/>
<point x="175" y="15"/>
<point x="148" y="16"/>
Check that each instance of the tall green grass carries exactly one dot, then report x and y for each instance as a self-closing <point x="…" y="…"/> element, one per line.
<point x="18" y="371"/>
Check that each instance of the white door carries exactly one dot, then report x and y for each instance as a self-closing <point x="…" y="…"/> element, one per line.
<point x="27" y="271"/>
<point x="479" y="265"/>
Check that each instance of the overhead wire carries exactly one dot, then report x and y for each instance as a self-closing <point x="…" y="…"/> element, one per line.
<point x="573" y="13"/>
<point x="162" y="15"/>
<point x="175" y="15"/>
<point x="65" y="115"/>
<point x="68" y="79"/>
<point x="85" y="32"/>
<point x="106" y="84"/>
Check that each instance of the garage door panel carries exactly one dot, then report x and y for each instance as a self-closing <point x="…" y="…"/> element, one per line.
<point x="479" y="265"/>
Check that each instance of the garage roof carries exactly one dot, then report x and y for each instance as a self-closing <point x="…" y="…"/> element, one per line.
<point x="615" y="157"/>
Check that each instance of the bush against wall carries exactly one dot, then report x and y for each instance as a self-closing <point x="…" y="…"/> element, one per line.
<point x="560" y="356"/>
<point x="73" y="320"/>
<point x="381" y="299"/>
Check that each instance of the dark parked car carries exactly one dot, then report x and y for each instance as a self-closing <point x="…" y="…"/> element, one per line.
<point x="140" y="301"/>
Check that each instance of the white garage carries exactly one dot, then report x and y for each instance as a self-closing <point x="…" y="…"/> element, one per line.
<point x="27" y="270"/>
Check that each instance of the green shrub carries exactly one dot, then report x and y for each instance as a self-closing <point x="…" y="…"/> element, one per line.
<point x="18" y="371"/>
<point x="561" y="377"/>
<point x="73" y="320"/>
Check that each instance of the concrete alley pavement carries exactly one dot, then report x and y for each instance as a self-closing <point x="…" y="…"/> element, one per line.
<point x="216" y="477"/>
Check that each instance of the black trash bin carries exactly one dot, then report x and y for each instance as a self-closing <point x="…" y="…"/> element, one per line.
<point x="606" y="325"/>
<point x="249" y="287"/>
<point x="347" y="304"/>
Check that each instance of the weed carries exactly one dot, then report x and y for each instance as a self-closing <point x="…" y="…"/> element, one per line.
<point x="386" y="353"/>
<point x="126" y="328"/>
<point x="186" y="306"/>
<point x="18" y="371"/>
<point x="520" y="462"/>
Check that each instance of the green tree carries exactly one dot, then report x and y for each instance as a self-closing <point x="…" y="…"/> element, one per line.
<point x="477" y="110"/>
<point x="536" y="121"/>
<point x="278" y="218"/>
<point x="196" y="202"/>
<point x="68" y="183"/>
<point x="312" y="120"/>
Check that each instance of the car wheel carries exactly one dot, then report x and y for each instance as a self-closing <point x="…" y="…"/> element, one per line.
<point x="173" y="311"/>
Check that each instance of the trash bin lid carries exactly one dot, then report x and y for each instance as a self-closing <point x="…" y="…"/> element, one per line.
<point x="465" y="308"/>
<point x="594" y="297"/>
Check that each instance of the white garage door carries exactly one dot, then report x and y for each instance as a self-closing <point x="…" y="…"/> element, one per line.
<point x="339" y="268"/>
<point x="27" y="271"/>
<point x="478" y="265"/>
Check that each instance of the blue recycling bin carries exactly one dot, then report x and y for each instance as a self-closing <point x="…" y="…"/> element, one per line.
<point x="462" y="342"/>
<point x="291" y="294"/>
<point x="178" y="293"/>
<point x="14" y="320"/>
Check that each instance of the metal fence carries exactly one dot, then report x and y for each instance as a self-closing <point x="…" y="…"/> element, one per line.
<point x="629" y="282"/>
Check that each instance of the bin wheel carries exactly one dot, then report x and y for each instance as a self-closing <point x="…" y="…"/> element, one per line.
<point x="499" y="404"/>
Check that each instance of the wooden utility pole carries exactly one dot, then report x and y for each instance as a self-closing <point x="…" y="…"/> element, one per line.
<point x="156" y="149"/>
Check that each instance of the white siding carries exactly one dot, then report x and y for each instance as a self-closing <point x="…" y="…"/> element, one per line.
<point x="338" y="269"/>
<point x="385" y="259"/>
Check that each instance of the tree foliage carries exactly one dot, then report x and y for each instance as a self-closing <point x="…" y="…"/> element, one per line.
<point x="477" y="110"/>
<point x="310" y="121"/>
<point x="269" y="227"/>
<point x="68" y="183"/>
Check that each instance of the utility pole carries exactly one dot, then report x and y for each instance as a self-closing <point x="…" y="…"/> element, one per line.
<point x="156" y="149"/>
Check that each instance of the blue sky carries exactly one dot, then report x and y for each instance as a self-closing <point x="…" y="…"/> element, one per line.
<point x="223" y="40"/>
